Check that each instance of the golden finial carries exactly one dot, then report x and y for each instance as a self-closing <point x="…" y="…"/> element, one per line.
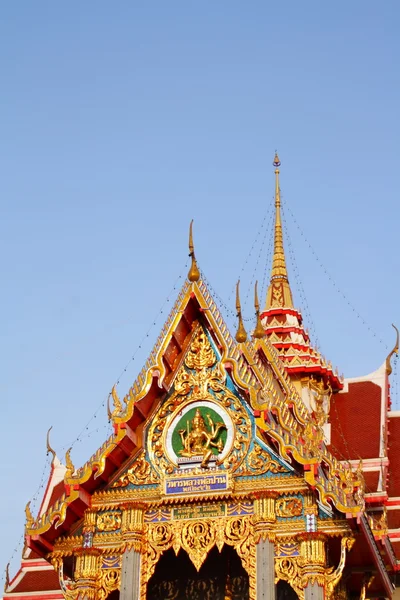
<point x="277" y="162"/>
<point x="7" y="578"/>
<point x="259" y="329"/>
<point x="241" y="335"/>
<point x="49" y="448"/>
<point x="394" y="351"/>
<point x="70" y="469"/>
<point x="194" y="273"/>
<point x="29" y="516"/>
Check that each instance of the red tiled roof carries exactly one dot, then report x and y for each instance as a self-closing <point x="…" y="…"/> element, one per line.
<point x="356" y="416"/>
<point x="394" y="456"/>
<point x="37" y="581"/>
<point x="371" y="481"/>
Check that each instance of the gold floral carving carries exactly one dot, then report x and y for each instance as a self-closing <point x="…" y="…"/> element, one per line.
<point x="197" y="538"/>
<point x="200" y="355"/>
<point x="140" y="474"/>
<point x="289" y="507"/>
<point x="110" y="581"/>
<point x="286" y="569"/>
<point x="258" y="462"/>
<point x="108" y="521"/>
<point x="199" y="379"/>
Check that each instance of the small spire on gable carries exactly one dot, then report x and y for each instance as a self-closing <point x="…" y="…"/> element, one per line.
<point x="241" y="334"/>
<point x="279" y="293"/>
<point x="259" y="331"/>
<point x="194" y="273"/>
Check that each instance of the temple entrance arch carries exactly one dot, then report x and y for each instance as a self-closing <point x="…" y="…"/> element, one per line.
<point x="221" y="577"/>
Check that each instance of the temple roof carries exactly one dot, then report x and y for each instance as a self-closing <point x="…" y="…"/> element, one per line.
<point x="282" y="419"/>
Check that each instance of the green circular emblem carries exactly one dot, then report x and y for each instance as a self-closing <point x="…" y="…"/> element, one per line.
<point x="201" y="432"/>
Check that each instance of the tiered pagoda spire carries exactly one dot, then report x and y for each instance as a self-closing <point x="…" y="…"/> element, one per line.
<point x="283" y="323"/>
<point x="279" y="292"/>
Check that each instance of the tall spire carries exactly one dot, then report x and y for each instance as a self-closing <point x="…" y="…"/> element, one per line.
<point x="279" y="293"/>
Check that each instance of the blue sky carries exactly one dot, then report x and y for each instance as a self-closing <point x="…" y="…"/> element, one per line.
<point x="119" y="123"/>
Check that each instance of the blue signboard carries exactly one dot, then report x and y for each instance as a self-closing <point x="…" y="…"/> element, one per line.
<point x="194" y="484"/>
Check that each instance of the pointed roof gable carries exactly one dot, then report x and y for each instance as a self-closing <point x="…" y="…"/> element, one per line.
<point x="257" y="373"/>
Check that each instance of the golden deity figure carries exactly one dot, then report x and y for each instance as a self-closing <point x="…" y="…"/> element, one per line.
<point x="198" y="441"/>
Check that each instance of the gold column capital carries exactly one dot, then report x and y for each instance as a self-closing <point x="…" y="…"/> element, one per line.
<point x="265" y="515"/>
<point x="133" y="524"/>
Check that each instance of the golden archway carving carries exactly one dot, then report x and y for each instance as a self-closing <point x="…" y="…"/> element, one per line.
<point x="197" y="538"/>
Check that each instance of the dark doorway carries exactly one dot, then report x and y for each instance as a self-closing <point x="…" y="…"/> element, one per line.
<point x="285" y="592"/>
<point x="113" y="595"/>
<point x="221" y="577"/>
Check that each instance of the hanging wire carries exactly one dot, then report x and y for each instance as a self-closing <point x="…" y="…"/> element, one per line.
<point x="84" y="432"/>
<point x="250" y="253"/>
<point x="333" y="282"/>
<point x="260" y="253"/>
<point x="298" y="280"/>
<point x="17" y="551"/>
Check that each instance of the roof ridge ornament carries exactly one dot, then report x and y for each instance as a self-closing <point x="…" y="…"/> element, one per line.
<point x="194" y="273"/>
<point x="394" y="351"/>
<point x="259" y="331"/>
<point x="241" y="334"/>
<point x="29" y="516"/>
<point x="70" y="470"/>
<point x="49" y="448"/>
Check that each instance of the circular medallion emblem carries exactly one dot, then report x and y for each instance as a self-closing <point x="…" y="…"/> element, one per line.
<point x="200" y="434"/>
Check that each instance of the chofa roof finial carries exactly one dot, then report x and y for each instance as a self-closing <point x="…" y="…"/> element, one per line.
<point x="241" y="335"/>
<point x="194" y="273"/>
<point x="259" y="331"/>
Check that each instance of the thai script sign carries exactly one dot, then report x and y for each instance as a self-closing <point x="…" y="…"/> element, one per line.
<point x="199" y="512"/>
<point x="197" y="484"/>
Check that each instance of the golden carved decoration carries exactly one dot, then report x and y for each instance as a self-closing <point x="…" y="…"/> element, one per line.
<point x="108" y="521"/>
<point x="286" y="569"/>
<point x="200" y="355"/>
<point x="117" y="403"/>
<point x="29" y="517"/>
<point x="258" y="462"/>
<point x="198" y="537"/>
<point x="289" y="507"/>
<point x="321" y="396"/>
<point x="70" y="469"/>
<point x="203" y="382"/>
<point x="110" y="580"/>
<point x="198" y="441"/>
<point x="140" y="474"/>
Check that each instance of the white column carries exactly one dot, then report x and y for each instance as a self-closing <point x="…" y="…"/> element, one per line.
<point x="130" y="575"/>
<point x="265" y="570"/>
<point x="313" y="591"/>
